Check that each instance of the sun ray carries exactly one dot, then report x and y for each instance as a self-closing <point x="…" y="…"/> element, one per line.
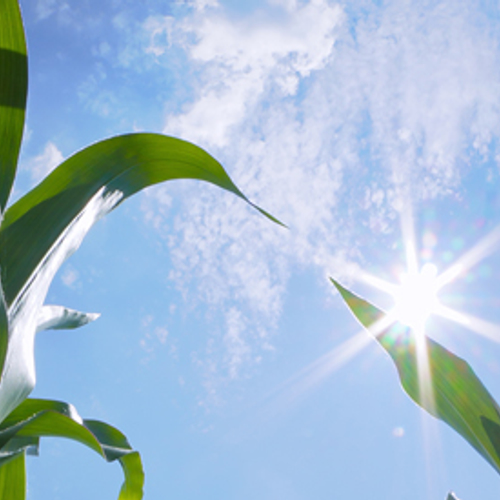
<point x="486" y="329"/>
<point x="408" y="235"/>
<point x="291" y="392"/>
<point x="482" y="249"/>
<point x="379" y="283"/>
<point x="312" y="375"/>
<point x="324" y="366"/>
<point x="416" y="299"/>
<point x="309" y="377"/>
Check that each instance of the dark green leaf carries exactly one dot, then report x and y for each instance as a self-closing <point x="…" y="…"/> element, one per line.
<point x="13" y="92"/>
<point x="35" y="418"/>
<point x="457" y="397"/>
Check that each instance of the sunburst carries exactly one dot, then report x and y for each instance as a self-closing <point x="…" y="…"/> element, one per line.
<point x="416" y="299"/>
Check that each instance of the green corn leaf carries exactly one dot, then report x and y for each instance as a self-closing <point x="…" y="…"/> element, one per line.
<point x="62" y="318"/>
<point x="48" y="224"/>
<point x="35" y="418"/>
<point x="13" y="476"/>
<point x="87" y="186"/>
<point x="13" y="92"/>
<point x="29" y="445"/>
<point x="457" y="397"/>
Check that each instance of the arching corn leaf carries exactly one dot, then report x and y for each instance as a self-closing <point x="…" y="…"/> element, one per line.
<point x="13" y="476"/>
<point x="457" y="396"/>
<point x="87" y="186"/>
<point x="48" y="224"/>
<point x="13" y="92"/>
<point x="62" y="318"/>
<point x="36" y="418"/>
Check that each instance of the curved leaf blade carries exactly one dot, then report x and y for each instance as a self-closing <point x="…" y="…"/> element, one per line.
<point x="49" y="223"/>
<point x="13" y="92"/>
<point x="460" y="398"/>
<point x="35" y="418"/>
<point x="115" y="169"/>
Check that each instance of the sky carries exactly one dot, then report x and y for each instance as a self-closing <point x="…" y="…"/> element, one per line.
<point x="222" y="350"/>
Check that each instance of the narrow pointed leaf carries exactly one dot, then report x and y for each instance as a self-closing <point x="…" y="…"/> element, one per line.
<point x="458" y="396"/>
<point x="35" y="418"/>
<point x="13" y="477"/>
<point x="452" y="496"/>
<point x="13" y="92"/>
<point x="62" y="318"/>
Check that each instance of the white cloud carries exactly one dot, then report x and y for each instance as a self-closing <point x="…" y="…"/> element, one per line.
<point x="398" y="432"/>
<point x="242" y="57"/>
<point x="330" y="122"/>
<point x="237" y="349"/>
<point x="40" y="166"/>
<point x="45" y="8"/>
<point x="155" y="206"/>
<point x="94" y="95"/>
<point x="201" y="5"/>
<point x="161" y="334"/>
<point x="70" y="277"/>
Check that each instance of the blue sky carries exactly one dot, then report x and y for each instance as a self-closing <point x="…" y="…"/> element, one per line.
<point x="221" y="350"/>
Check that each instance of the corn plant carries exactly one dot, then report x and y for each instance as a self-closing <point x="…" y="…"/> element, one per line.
<point x="37" y="233"/>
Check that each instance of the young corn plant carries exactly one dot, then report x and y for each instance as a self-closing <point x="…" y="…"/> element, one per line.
<point x="450" y="391"/>
<point x="37" y="233"/>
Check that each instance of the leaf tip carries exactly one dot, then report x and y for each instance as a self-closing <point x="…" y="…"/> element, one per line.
<point x="268" y="215"/>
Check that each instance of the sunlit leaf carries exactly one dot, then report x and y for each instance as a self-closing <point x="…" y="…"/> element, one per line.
<point x="62" y="318"/>
<point x="36" y="418"/>
<point x="4" y="329"/>
<point x="48" y="224"/>
<point x="13" y="476"/>
<point x="87" y="186"/>
<point x="13" y="92"/>
<point x="452" y="496"/>
<point x="458" y="397"/>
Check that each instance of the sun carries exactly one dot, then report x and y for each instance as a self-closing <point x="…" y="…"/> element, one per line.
<point x="416" y="297"/>
<point x="415" y="300"/>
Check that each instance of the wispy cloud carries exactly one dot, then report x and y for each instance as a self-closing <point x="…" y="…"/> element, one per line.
<point x="243" y="58"/>
<point x="330" y="119"/>
<point x="70" y="277"/>
<point x="237" y="349"/>
<point x="95" y="96"/>
<point x="45" y="8"/>
<point x="42" y="164"/>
